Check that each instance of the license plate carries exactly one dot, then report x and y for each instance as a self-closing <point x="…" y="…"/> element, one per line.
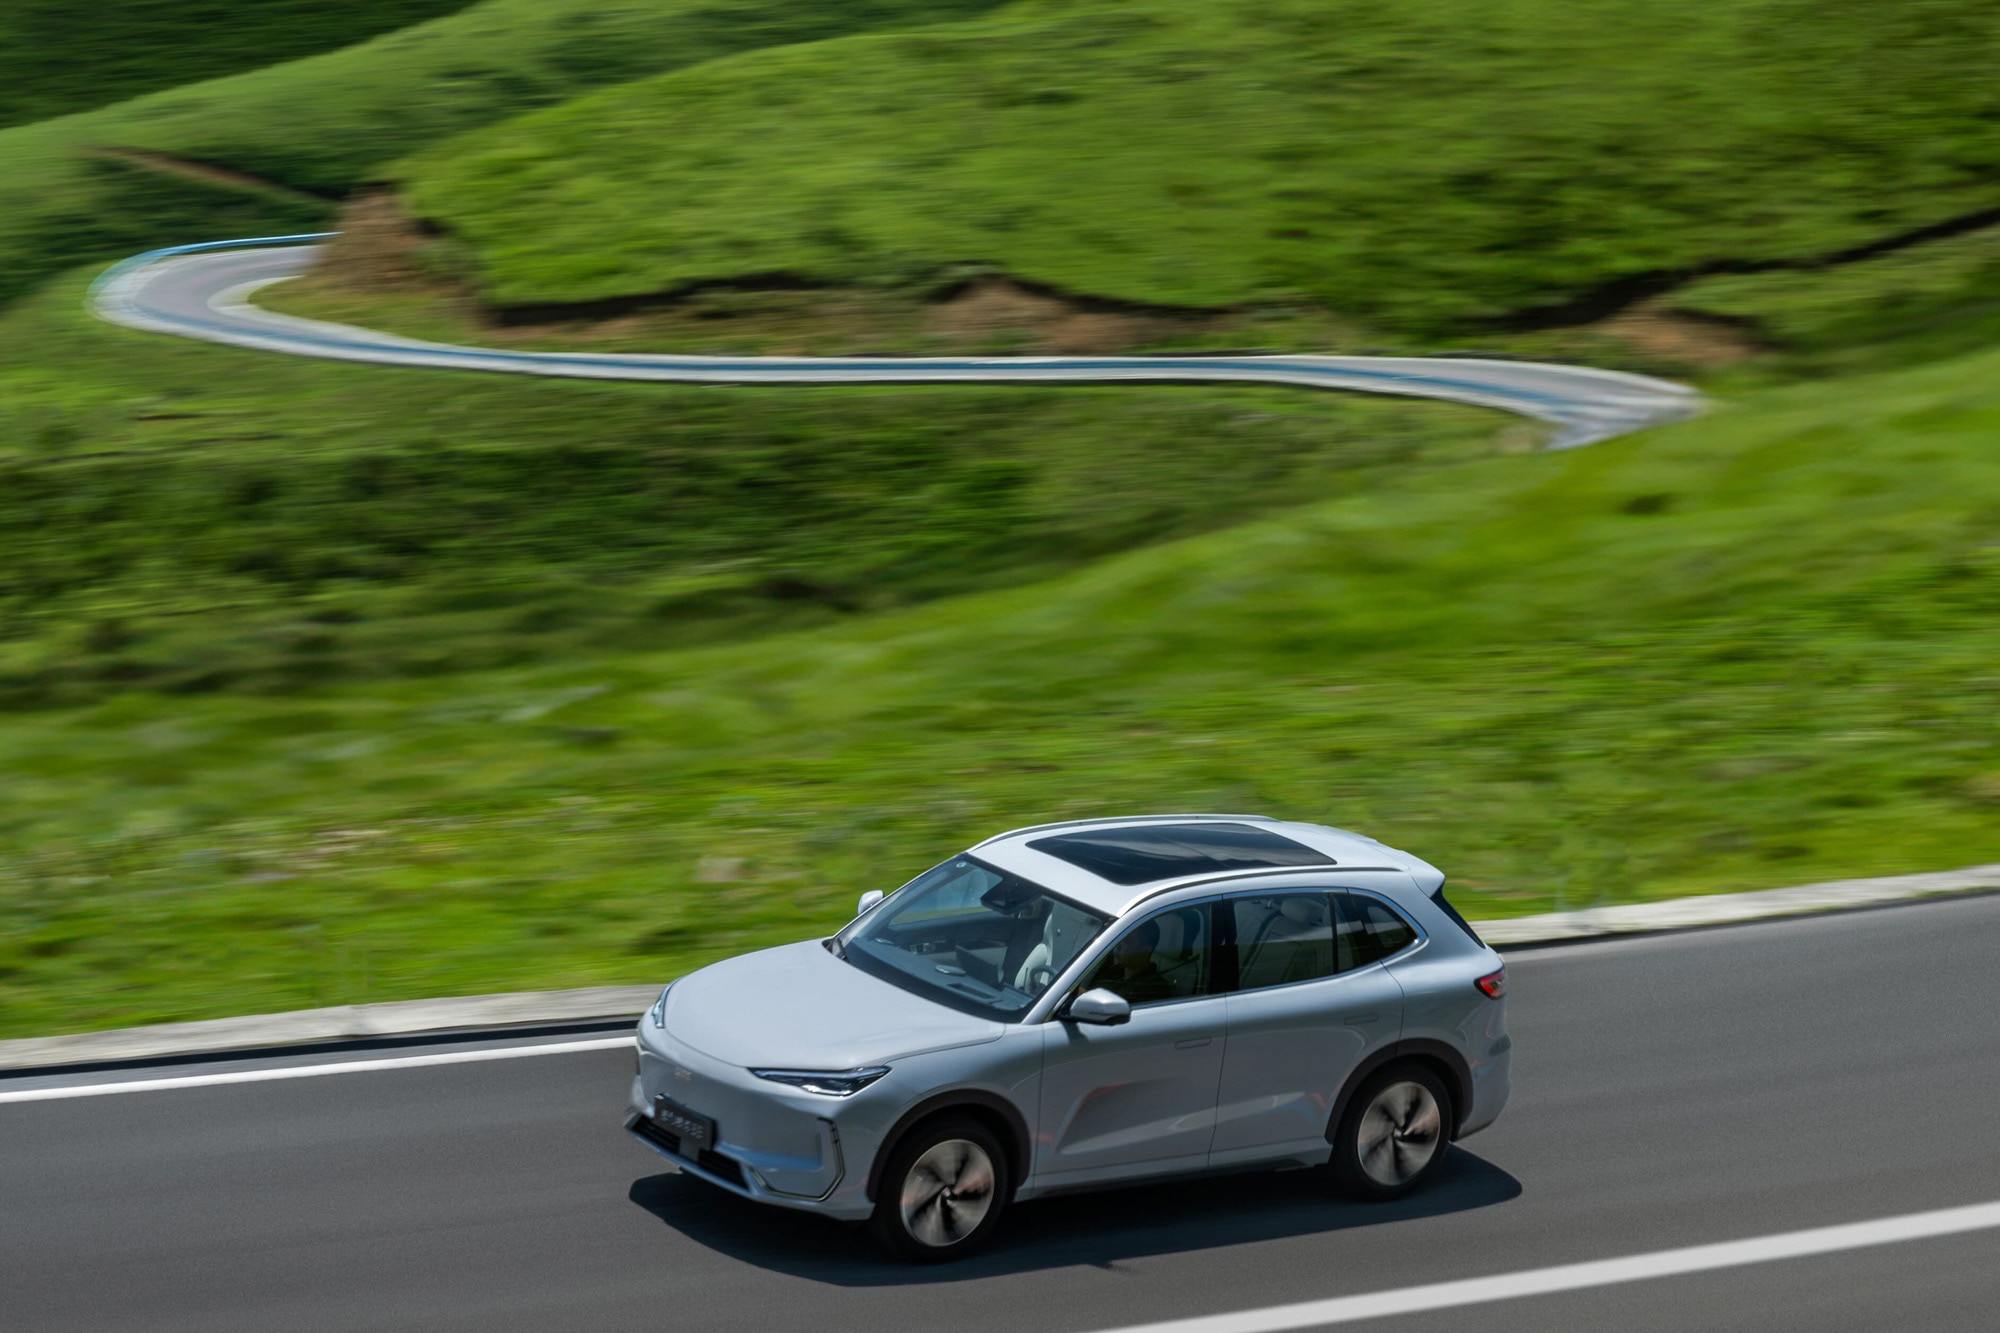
<point x="696" y="1132"/>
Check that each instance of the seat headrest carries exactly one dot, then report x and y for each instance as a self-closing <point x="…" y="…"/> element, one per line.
<point x="1305" y="911"/>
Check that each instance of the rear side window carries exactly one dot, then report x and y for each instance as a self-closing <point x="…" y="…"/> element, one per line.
<point x="1367" y="930"/>
<point x="1282" y="938"/>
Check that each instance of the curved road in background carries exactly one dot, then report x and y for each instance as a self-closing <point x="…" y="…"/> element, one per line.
<point x="203" y="292"/>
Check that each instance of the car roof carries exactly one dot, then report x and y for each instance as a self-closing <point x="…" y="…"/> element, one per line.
<point x="1069" y="872"/>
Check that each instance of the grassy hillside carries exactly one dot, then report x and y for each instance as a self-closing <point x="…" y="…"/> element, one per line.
<point x="1755" y="649"/>
<point x="318" y="126"/>
<point x="326" y="683"/>
<point x="1929" y="301"/>
<point x="54" y="60"/>
<point x="1424" y="166"/>
<point x="180" y="517"/>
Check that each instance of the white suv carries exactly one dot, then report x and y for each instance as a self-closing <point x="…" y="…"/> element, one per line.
<point x="1087" y="1004"/>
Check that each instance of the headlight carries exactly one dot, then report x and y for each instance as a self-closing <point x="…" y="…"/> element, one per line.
<point x="841" y="1083"/>
<point x="657" y="1015"/>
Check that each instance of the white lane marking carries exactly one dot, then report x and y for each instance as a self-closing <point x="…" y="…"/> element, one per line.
<point x="1577" y="1277"/>
<point x="311" y="1071"/>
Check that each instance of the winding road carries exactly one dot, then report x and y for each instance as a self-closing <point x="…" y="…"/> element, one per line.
<point x="203" y="291"/>
<point x="1728" y="1085"/>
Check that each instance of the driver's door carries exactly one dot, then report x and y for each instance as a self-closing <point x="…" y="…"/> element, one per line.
<point x="1137" y="1098"/>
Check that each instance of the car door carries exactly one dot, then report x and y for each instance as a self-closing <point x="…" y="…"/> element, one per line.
<point x="1307" y="1004"/>
<point x="1137" y="1098"/>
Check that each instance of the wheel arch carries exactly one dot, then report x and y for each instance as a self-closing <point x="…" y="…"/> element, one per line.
<point x="999" y="1115"/>
<point x="1440" y="1058"/>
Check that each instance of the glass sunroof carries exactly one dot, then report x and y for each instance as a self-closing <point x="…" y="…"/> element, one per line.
<point x="1146" y="852"/>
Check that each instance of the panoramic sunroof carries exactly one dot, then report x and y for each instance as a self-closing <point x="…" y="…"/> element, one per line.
<point x="1148" y="852"/>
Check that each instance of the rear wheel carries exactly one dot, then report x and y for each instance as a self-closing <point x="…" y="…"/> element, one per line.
<point x="943" y="1191"/>
<point x="1394" y="1135"/>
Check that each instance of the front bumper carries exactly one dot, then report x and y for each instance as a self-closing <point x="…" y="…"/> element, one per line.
<point x="773" y="1144"/>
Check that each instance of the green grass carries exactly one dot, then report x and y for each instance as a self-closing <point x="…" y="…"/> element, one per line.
<point x="1755" y="649"/>
<point x="54" y="60"/>
<point x="326" y="683"/>
<point x="183" y="518"/>
<point x="1424" y="166"/>
<point x="1927" y="302"/>
<point x="322" y="125"/>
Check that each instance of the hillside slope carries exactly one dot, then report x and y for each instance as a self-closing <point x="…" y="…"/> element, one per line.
<point x="52" y="64"/>
<point x="1755" y="649"/>
<point x="193" y="519"/>
<point x="1427" y="165"/>
<point x="71" y="190"/>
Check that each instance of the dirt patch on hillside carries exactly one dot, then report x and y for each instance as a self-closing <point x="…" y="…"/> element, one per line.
<point x="379" y="249"/>
<point x="208" y="173"/>
<point x="996" y="307"/>
<point x="384" y="252"/>
<point x="1659" y="332"/>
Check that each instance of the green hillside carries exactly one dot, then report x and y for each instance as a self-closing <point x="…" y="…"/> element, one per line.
<point x="54" y="60"/>
<point x="71" y="191"/>
<point x="1427" y="165"/>
<point x="185" y="518"/>
<point x="1928" y="301"/>
<point x="1755" y="649"/>
<point x="325" y="683"/>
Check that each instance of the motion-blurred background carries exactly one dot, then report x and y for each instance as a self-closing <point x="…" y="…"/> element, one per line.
<point x="329" y="683"/>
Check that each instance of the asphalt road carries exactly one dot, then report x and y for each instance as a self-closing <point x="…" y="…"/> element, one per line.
<point x="1670" y="1091"/>
<point x="204" y="295"/>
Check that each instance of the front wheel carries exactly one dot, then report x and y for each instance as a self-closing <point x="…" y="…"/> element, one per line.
<point x="1394" y="1135"/>
<point x="943" y="1191"/>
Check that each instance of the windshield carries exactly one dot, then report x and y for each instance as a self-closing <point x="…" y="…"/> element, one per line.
<point x="975" y="938"/>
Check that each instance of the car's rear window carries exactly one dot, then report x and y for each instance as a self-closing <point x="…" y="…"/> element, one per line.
<point x="1147" y="852"/>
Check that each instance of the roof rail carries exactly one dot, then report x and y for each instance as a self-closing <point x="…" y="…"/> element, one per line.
<point x="1116" y="820"/>
<point x="1195" y="881"/>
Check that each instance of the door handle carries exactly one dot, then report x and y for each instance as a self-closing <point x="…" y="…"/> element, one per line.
<point x="1360" y="1020"/>
<point x="1192" y="1043"/>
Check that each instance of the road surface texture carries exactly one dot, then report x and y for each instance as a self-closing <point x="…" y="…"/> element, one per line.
<point x="1670" y="1091"/>
<point x="202" y="292"/>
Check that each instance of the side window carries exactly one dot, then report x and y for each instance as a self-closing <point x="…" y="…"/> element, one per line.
<point x="1282" y="938"/>
<point x="1369" y="931"/>
<point x="1164" y="957"/>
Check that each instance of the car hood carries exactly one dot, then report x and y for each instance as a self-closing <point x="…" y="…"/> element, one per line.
<point x="800" y="1007"/>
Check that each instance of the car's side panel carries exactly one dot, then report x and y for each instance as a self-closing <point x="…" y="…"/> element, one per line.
<point x="1017" y="1138"/>
<point x="1137" y="1098"/>
<point x="1288" y="1052"/>
<point x="1445" y="1009"/>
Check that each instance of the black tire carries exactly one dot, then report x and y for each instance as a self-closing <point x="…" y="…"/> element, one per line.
<point x="943" y="1191"/>
<point x="1394" y="1134"/>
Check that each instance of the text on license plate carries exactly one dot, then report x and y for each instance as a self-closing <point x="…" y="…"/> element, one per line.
<point x="696" y="1132"/>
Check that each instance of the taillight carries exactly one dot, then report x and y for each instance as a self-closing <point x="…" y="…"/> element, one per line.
<point x="1493" y="984"/>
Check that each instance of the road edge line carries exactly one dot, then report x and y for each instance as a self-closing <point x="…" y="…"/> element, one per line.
<point x="282" y="1073"/>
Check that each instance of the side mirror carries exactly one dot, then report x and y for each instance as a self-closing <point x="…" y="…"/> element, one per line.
<point x="1100" y="1006"/>
<point x="868" y="900"/>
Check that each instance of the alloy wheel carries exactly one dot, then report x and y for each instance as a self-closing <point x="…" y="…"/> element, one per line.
<point x="1399" y="1134"/>
<point x="947" y="1193"/>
